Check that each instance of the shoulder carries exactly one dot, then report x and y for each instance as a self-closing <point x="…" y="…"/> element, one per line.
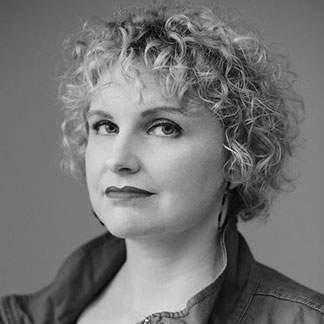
<point x="282" y="300"/>
<point x="58" y="299"/>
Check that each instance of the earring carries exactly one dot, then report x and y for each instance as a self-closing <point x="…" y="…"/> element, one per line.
<point x="96" y="216"/>
<point x="222" y="215"/>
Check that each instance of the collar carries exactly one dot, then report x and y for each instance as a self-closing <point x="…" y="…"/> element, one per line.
<point x="89" y="269"/>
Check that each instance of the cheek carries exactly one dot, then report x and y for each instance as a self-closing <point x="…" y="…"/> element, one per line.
<point x="93" y="160"/>
<point x="88" y="161"/>
<point x="191" y="170"/>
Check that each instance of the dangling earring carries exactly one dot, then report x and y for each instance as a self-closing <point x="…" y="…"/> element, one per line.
<point x="222" y="216"/>
<point x="96" y="216"/>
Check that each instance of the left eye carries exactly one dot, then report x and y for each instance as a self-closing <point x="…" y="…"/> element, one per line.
<point x="165" y="129"/>
<point x="105" y="128"/>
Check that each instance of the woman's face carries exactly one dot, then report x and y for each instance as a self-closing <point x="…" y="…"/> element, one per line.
<point x="152" y="168"/>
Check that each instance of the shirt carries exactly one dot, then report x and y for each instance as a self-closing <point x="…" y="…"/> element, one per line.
<point x="246" y="292"/>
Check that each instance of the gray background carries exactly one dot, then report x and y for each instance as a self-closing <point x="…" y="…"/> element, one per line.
<point x="45" y="215"/>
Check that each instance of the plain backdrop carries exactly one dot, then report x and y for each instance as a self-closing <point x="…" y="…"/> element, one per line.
<point x="45" y="215"/>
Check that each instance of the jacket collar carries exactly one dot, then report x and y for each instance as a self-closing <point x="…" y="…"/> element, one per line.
<point x="89" y="269"/>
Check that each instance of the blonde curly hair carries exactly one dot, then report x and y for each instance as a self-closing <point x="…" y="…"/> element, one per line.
<point x="199" y="57"/>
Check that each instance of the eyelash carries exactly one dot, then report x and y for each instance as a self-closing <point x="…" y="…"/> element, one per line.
<point x="174" y="126"/>
<point x="97" y="125"/>
<point x="165" y="123"/>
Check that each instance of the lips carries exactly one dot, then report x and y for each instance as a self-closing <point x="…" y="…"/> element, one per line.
<point x="126" y="193"/>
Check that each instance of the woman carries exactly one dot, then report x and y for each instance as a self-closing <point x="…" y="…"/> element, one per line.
<point x="179" y="125"/>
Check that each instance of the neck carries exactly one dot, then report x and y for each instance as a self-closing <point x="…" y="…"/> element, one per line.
<point x="167" y="265"/>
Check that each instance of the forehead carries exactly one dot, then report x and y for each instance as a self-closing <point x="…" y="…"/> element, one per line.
<point x="140" y="85"/>
<point x="139" y="94"/>
<point x="137" y="83"/>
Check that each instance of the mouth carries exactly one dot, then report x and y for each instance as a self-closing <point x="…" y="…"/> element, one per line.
<point x="126" y="193"/>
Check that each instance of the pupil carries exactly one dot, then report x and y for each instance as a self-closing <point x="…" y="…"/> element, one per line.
<point x="109" y="128"/>
<point x="168" y="129"/>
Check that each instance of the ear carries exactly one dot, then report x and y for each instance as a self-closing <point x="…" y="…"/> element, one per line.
<point x="233" y="185"/>
<point x="235" y="179"/>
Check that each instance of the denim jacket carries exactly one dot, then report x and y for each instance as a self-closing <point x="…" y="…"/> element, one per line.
<point x="246" y="292"/>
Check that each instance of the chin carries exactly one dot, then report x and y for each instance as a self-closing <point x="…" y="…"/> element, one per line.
<point x="128" y="226"/>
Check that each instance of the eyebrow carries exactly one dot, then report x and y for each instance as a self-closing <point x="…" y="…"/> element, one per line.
<point x="98" y="112"/>
<point x="148" y="112"/>
<point x="156" y="110"/>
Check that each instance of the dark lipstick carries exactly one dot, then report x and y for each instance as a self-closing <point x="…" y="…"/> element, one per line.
<point x="126" y="193"/>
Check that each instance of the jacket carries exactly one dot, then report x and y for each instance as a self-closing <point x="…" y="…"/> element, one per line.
<point x="246" y="292"/>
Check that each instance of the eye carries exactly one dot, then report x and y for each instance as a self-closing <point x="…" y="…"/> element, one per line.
<point x="166" y="129"/>
<point x="105" y="127"/>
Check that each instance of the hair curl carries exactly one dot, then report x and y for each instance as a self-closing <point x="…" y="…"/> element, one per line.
<point x="199" y="57"/>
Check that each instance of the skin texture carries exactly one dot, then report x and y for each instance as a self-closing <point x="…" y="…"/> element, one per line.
<point x="171" y="236"/>
<point x="182" y="168"/>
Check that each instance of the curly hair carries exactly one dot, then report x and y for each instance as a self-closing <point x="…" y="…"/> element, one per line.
<point x="200" y="58"/>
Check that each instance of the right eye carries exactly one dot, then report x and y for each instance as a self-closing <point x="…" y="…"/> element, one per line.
<point x="105" y="127"/>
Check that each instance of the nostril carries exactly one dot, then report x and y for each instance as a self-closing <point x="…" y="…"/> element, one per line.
<point x="124" y="169"/>
<point x="123" y="165"/>
<point x="123" y="157"/>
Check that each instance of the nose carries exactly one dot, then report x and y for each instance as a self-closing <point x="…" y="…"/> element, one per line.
<point x="123" y="157"/>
